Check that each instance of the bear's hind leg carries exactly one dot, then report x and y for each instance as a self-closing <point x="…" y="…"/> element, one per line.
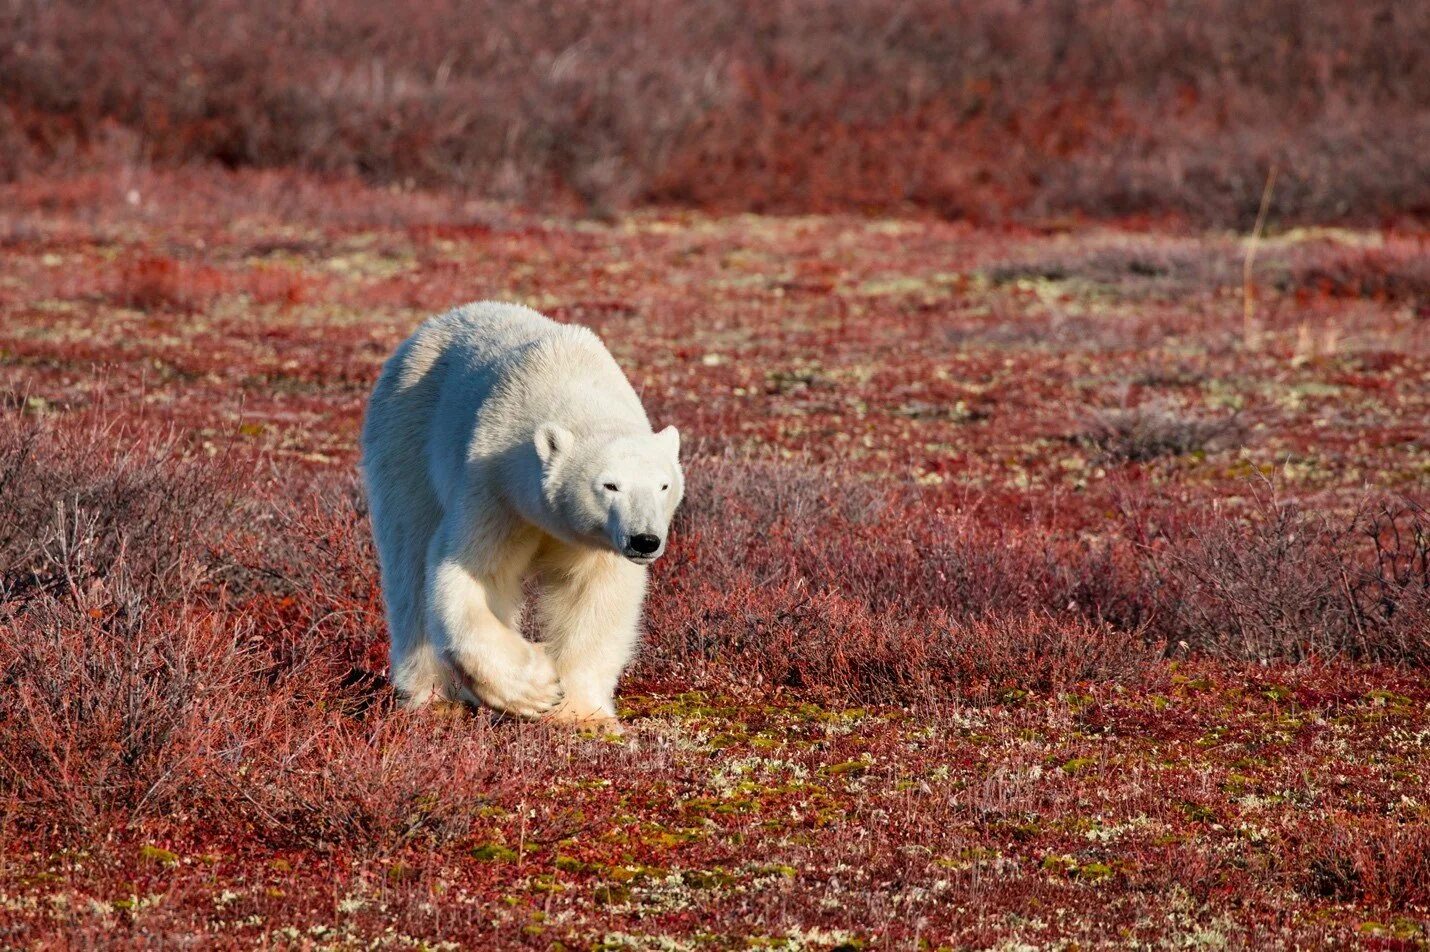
<point x="418" y="675"/>
<point x="405" y="516"/>
<point x="590" y="609"/>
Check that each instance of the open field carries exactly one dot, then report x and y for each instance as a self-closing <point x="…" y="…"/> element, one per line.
<point x="1026" y="592"/>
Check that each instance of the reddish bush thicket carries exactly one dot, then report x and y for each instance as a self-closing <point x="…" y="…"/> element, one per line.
<point x="198" y="635"/>
<point x="1395" y="270"/>
<point x="1288" y="583"/>
<point x="1346" y="864"/>
<point x="965" y="108"/>
<point x="155" y="283"/>
<point x="82" y="505"/>
<point x="795" y="577"/>
<point x="179" y="644"/>
<point x="791" y="576"/>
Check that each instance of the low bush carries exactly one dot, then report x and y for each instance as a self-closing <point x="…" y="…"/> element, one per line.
<point x="200" y="634"/>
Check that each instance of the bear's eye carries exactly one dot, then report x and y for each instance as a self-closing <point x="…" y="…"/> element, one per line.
<point x="664" y="487"/>
<point x="613" y="487"/>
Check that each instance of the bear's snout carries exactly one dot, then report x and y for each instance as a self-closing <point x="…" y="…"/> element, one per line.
<point x="645" y="543"/>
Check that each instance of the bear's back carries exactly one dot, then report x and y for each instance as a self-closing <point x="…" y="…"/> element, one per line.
<point x="501" y="370"/>
<point x="497" y="349"/>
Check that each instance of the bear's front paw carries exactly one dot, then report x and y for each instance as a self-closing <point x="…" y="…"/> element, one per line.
<point x="588" y="716"/>
<point x="528" y="689"/>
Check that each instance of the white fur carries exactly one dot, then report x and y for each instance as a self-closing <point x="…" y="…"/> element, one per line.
<point x="490" y="447"/>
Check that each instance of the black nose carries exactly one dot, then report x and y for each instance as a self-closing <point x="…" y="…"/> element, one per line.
<point x="645" y="543"/>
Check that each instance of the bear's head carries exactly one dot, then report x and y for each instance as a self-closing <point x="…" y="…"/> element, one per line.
<point x="613" y="492"/>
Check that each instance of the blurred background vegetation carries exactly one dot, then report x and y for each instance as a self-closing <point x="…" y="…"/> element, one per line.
<point x="980" y="109"/>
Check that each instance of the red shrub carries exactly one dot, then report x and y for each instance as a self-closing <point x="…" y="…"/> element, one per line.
<point x="177" y="644"/>
<point x="91" y="501"/>
<point x="809" y="581"/>
<point x="151" y="283"/>
<point x="1398" y="271"/>
<point x="1289" y="583"/>
<point x="1368" y="860"/>
<point x="279" y="285"/>
<point x="967" y="109"/>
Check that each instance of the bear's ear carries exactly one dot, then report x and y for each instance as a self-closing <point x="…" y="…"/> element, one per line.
<point x="552" y="440"/>
<point x="670" y="439"/>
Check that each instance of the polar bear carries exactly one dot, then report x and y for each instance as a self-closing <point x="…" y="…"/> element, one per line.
<point x="499" y="446"/>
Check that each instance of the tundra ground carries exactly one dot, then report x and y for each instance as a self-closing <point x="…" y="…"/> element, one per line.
<point x="1041" y="586"/>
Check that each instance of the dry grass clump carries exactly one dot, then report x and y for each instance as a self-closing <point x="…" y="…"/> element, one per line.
<point x="1151" y="430"/>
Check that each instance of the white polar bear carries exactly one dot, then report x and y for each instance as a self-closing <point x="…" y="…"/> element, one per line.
<point x="500" y="445"/>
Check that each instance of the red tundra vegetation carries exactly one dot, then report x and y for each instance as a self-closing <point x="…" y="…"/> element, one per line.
<point x="959" y="108"/>
<point x="1026" y="591"/>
